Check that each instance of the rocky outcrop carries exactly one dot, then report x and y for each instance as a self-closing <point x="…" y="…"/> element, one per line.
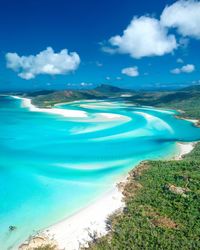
<point x="177" y="190"/>
<point x="37" y="241"/>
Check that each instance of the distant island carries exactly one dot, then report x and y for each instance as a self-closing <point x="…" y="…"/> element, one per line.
<point x="186" y="99"/>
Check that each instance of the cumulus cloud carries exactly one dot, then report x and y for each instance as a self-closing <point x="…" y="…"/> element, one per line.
<point x="183" y="15"/>
<point x="99" y="64"/>
<point x="118" y="78"/>
<point x="84" y="84"/>
<point x="179" y="60"/>
<point x="176" y="71"/>
<point x="197" y="82"/>
<point x="131" y="71"/>
<point x="148" y="36"/>
<point x="189" y="68"/>
<point x="46" y="62"/>
<point x="144" y="36"/>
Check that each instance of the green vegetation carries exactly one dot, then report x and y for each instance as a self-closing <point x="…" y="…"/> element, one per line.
<point x="46" y="247"/>
<point x="156" y="217"/>
<point x="162" y="199"/>
<point x="187" y="99"/>
<point x="46" y="99"/>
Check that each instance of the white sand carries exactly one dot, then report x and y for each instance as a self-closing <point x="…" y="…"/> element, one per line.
<point x="126" y="95"/>
<point x="26" y="102"/>
<point x="73" y="231"/>
<point x="111" y="116"/>
<point x="184" y="148"/>
<point x="193" y="121"/>
<point x="64" y="112"/>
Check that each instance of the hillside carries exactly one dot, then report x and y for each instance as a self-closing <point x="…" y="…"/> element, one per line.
<point x="162" y="197"/>
<point x="162" y="208"/>
<point x="187" y="99"/>
<point x="49" y="98"/>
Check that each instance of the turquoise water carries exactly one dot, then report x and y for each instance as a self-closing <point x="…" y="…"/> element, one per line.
<point x="51" y="166"/>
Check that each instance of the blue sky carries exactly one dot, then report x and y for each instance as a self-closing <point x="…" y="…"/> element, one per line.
<point x="94" y="29"/>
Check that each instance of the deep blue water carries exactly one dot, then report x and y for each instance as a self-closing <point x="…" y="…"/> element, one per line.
<point x="51" y="166"/>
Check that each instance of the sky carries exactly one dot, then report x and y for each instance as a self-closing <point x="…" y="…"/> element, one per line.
<point x="59" y="44"/>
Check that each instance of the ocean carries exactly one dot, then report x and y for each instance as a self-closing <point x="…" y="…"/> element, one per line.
<point x="54" y="163"/>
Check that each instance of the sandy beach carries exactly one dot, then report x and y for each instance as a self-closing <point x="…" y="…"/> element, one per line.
<point x="73" y="232"/>
<point x="26" y="102"/>
<point x="66" y="113"/>
<point x="184" y="148"/>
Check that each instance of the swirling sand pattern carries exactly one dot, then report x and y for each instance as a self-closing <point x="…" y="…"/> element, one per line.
<point x="55" y="162"/>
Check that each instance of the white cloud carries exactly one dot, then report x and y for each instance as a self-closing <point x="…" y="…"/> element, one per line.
<point x="176" y="71"/>
<point x="99" y="64"/>
<point x="179" y="60"/>
<point x="108" y="50"/>
<point x="183" y="15"/>
<point x="84" y="84"/>
<point x="131" y="71"/>
<point x="189" y="68"/>
<point x="108" y="78"/>
<point x="197" y="82"/>
<point x="148" y="36"/>
<point x="46" y="62"/>
<point x="118" y="78"/>
<point x="144" y="36"/>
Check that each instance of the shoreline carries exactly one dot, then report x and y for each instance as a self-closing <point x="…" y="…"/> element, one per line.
<point x="75" y="113"/>
<point x="94" y="216"/>
<point x="26" y="102"/>
<point x="196" y="122"/>
<point x="74" y="231"/>
<point x="184" y="149"/>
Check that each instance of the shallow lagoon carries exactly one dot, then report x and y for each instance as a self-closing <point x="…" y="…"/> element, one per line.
<point x="51" y="166"/>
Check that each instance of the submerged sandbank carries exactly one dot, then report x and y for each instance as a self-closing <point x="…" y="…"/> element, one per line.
<point x="74" y="231"/>
<point x="26" y="102"/>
